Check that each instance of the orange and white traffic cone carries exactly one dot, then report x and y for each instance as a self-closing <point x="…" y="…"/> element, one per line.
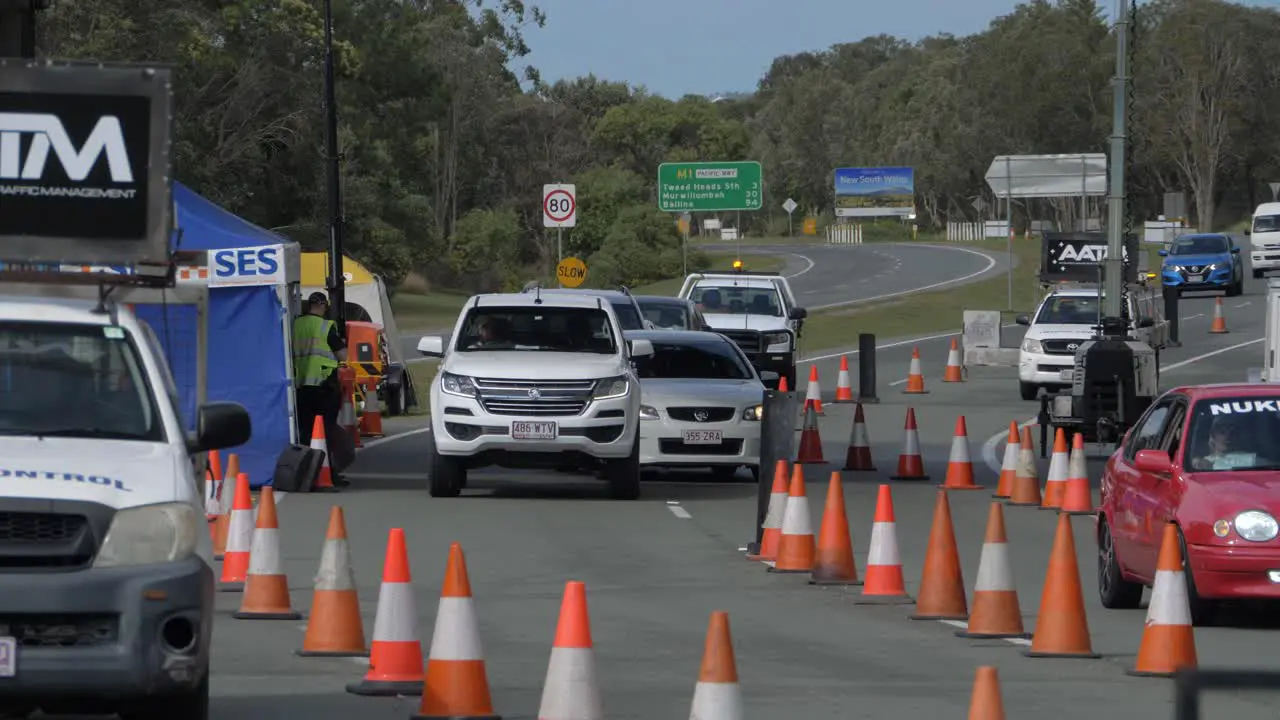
<point x="572" y="688"/>
<point x="910" y="463"/>
<point x="334" y="627"/>
<point x="915" y="376"/>
<point x="324" y="481"/>
<point x="954" y="372"/>
<point x="833" y="564"/>
<point x="844" y="388"/>
<point x="996" y="611"/>
<point x="1055" y="485"/>
<point x="235" y="561"/>
<point x="960" y="465"/>
<point x="941" y="595"/>
<point x="213" y="493"/>
<point x="810" y="452"/>
<point x="266" y="588"/>
<point x="717" y="695"/>
<point x="1009" y="469"/>
<point x="347" y="419"/>
<point x="796" y="546"/>
<point x="772" y="525"/>
<point x="986" y="702"/>
<point x="1168" y="641"/>
<point x="226" y="502"/>
<point x="1078" y="498"/>
<point x="883" y="583"/>
<point x="457" y="684"/>
<point x="371" y="416"/>
<point x="1026" y="481"/>
<point x="395" y="660"/>
<point x="1219" y="324"/>
<point x="813" y="393"/>
<point x="858" y="457"/>
<point x="1062" y="625"/>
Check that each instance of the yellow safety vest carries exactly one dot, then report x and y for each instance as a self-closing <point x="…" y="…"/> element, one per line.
<point x="313" y="361"/>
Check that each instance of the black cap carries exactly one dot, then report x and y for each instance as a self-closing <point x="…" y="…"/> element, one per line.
<point x="318" y="297"/>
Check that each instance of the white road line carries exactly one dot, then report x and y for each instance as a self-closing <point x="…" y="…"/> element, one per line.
<point x="397" y="436"/>
<point x="965" y="626"/>
<point x="896" y="383"/>
<point x="807" y="267"/>
<point x="991" y="262"/>
<point x="1219" y="351"/>
<point x="679" y="512"/>
<point x="1193" y="317"/>
<point x="989" y="447"/>
<point x="1246" y="303"/>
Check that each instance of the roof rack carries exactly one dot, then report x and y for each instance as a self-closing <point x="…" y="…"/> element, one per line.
<point x="140" y="274"/>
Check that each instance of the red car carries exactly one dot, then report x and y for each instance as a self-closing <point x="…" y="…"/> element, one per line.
<point x="1208" y="459"/>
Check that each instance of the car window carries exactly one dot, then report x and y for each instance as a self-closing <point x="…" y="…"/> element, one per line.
<point x="1266" y="223"/>
<point x="667" y="316"/>
<point x="546" y="329"/>
<point x="737" y="300"/>
<point x="1172" y="441"/>
<point x="628" y="318"/>
<point x="1234" y="433"/>
<point x="701" y="360"/>
<point x="1150" y="430"/>
<point x="1206" y="245"/>
<point x="1069" y="310"/>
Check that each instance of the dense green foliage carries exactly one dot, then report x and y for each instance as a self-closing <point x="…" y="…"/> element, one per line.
<point x="444" y="153"/>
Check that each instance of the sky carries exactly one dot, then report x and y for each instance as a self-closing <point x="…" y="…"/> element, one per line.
<point x="677" y="47"/>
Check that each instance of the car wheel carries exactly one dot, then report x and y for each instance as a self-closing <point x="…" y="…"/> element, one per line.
<point x="624" y="475"/>
<point x="395" y="400"/>
<point x="724" y="473"/>
<point x="1114" y="591"/>
<point x="1029" y="390"/>
<point x="190" y="705"/>
<point x="1202" y="611"/>
<point x="1236" y="288"/>
<point x="448" y="476"/>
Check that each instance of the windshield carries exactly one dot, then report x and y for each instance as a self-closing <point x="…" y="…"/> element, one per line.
<point x="74" y="381"/>
<point x="1234" y="434"/>
<point x="1266" y="223"/>
<point x="732" y="300"/>
<point x="667" y="316"/>
<point x="1068" y="310"/>
<point x="701" y="360"/>
<point x="628" y="318"/>
<point x="546" y="329"/>
<point x="1209" y="245"/>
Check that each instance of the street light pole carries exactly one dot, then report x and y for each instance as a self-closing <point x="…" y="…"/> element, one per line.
<point x="333" y="162"/>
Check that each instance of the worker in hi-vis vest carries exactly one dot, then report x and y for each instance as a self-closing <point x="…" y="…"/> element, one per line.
<point x="318" y="350"/>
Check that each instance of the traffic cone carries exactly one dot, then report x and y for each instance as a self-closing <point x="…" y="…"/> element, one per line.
<point x="813" y="393"/>
<point x="1062" y="627"/>
<point x="810" y="439"/>
<point x="1219" y="324"/>
<point x="782" y="385"/>
<point x="986" y="702"/>
<point x="456" y="685"/>
<point x="1078" y="497"/>
<point x="235" y="561"/>
<point x="858" y="457"/>
<point x="334" y="628"/>
<point x="371" y="417"/>
<point x="953" y="373"/>
<point x="266" y="588"/>
<point x="571" y="690"/>
<point x="772" y="524"/>
<point x="717" y="695"/>
<point x="833" y="563"/>
<point x="883" y="583"/>
<point x="1026" y="481"/>
<point x="941" y="594"/>
<point x="960" y="466"/>
<point x="324" y="481"/>
<point x="1055" y="485"/>
<point x="844" y="389"/>
<point x="347" y="419"/>
<point x="915" y="377"/>
<point x="910" y="464"/>
<point x="226" y="502"/>
<point x="1009" y="470"/>
<point x="796" y="548"/>
<point x="213" y="492"/>
<point x="996" y="611"/>
<point x="395" y="660"/>
<point x="1168" y="640"/>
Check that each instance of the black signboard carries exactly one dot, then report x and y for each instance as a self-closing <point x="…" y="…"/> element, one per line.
<point x="84" y="163"/>
<point x="1077" y="257"/>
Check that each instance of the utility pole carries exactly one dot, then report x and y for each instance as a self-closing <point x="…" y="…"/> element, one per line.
<point x="333" y="161"/>
<point x="18" y="27"/>
<point x="1113" y="323"/>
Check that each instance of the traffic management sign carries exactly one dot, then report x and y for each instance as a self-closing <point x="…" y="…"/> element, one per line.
<point x="571" y="272"/>
<point x="559" y="206"/>
<point x="710" y="186"/>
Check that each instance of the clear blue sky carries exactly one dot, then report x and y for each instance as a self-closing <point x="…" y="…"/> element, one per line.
<point x="675" y="47"/>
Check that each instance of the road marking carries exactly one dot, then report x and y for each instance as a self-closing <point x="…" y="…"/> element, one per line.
<point x="807" y="268"/>
<point x="899" y="343"/>
<point x="679" y="512"/>
<point x="991" y="262"/>
<point x="896" y="383"/>
<point x="989" y="447"/>
<point x="1243" y="304"/>
<point x="397" y="436"/>
<point x="1219" y="351"/>
<point x="1193" y="317"/>
<point x="965" y="626"/>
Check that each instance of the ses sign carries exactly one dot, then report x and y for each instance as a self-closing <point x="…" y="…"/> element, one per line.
<point x="240" y="267"/>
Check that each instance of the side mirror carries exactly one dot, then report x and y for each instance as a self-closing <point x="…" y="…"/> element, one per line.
<point x="1153" y="461"/>
<point x="1023" y="320"/>
<point x="798" y="314"/>
<point x="641" y="348"/>
<point x="1235" y="251"/>
<point x="220" y="425"/>
<point x="431" y="346"/>
<point x="1247" y="231"/>
<point x="1162" y="253"/>
<point x="1146" y="322"/>
<point x="769" y="376"/>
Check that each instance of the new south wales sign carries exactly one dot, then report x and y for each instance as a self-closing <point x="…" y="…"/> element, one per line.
<point x="710" y="186"/>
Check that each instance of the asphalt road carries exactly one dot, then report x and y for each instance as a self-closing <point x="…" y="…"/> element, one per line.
<point x="656" y="568"/>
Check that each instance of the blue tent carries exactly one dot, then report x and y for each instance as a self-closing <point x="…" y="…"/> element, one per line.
<point x="248" y="351"/>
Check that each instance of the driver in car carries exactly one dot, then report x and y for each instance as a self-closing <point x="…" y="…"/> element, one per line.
<point x="1228" y="447"/>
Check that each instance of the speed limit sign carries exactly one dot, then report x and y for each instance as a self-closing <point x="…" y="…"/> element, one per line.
<point x="559" y="206"/>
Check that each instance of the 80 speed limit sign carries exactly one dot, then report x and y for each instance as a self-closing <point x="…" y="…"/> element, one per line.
<point x="559" y="206"/>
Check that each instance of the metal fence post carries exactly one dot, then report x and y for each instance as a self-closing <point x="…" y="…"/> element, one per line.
<point x="777" y="442"/>
<point x="1171" y="314"/>
<point x="867" y="368"/>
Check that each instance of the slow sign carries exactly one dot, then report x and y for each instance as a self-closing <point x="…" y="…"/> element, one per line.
<point x="571" y="272"/>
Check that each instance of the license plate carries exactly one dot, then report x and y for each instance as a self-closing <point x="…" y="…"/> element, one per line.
<point x="8" y="657"/>
<point x="1194" y="279"/>
<point x="534" y="430"/>
<point x="1065" y="375"/>
<point x="702" y="437"/>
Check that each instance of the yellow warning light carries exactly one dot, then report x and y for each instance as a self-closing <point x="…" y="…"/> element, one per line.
<point x="737" y="264"/>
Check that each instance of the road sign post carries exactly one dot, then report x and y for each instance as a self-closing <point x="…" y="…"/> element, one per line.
<point x="1275" y="191"/>
<point x="790" y="206"/>
<point x="710" y="186"/>
<point x="559" y="211"/>
<point x="571" y="272"/>
<point x="686" y="222"/>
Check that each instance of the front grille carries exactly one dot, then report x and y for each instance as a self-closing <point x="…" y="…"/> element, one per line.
<point x="44" y="540"/>
<point x="708" y="414"/>
<point x="540" y="398"/>
<point x="1061" y="347"/>
<point x="38" y="528"/>
<point x="676" y="446"/>
<point x="748" y="340"/>
<point x="53" y="631"/>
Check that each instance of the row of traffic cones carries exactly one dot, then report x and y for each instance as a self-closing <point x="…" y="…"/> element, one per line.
<point x="1067" y="485"/>
<point x="955" y="372"/>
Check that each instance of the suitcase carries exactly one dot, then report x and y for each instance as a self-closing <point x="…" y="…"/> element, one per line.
<point x="297" y="469"/>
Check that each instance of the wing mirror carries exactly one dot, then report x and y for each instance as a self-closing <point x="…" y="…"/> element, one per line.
<point x="1235" y="251"/>
<point x="220" y="425"/>
<point x="1023" y="320"/>
<point x="798" y="314"/>
<point x="641" y="348"/>
<point x="1153" y="461"/>
<point x="431" y="346"/>
<point x="1162" y="253"/>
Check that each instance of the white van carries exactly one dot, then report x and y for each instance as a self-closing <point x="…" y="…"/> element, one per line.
<point x="1264" y="239"/>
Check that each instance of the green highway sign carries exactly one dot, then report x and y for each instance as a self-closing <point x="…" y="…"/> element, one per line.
<point x="710" y="186"/>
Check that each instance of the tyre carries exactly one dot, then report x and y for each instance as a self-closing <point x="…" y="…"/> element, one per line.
<point x="448" y="476"/>
<point x="190" y="705"/>
<point x="396" y="399"/>
<point x="1202" y="611"/>
<point x="623" y="475"/>
<point x="1029" y="390"/>
<point x="1114" y="591"/>
<point x="1236" y="289"/>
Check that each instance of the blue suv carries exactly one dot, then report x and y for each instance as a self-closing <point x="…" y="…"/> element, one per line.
<point x="1203" y="262"/>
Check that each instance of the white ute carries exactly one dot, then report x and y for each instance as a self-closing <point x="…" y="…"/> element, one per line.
<point x="535" y="380"/>
<point x="1264" y="239"/>
<point x="106" y="566"/>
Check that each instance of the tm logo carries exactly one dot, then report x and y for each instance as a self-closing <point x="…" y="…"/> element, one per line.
<point x="47" y="133"/>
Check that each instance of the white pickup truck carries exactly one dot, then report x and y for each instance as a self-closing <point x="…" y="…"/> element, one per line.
<point x="535" y="380"/>
<point x="757" y="310"/>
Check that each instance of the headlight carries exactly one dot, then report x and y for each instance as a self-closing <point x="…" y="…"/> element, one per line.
<point x="1032" y="345"/>
<point x="777" y="338"/>
<point x="611" y="388"/>
<point x="1173" y="268"/>
<point x="753" y="413"/>
<point x="1211" y="267"/>
<point x="150" y="534"/>
<point x="648" y="413"/>
<point x="457" y="385"/>
<point x="1256" y="526"/>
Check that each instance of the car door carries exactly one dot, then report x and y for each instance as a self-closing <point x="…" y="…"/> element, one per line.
<point x="1134" y="495"/>
<point x="1161" y="492"/>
